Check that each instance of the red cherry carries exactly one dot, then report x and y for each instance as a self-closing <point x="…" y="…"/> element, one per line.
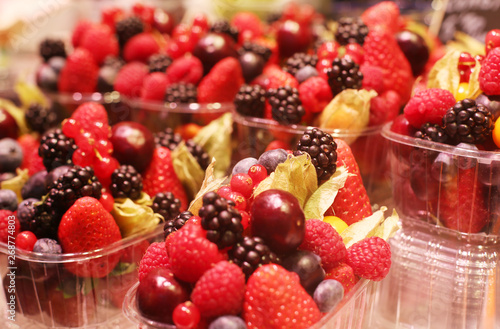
<point x="293" y="37"/>
<point x="163" y="21"/>
<point x="258" y="173"/>
<point x="400" y="125"/>
<point x="107" y="201"/>
<point x="186" y="315"/>
<point x="238" y="199"/>
<point x="26" y="240"/>
<point x="8" y="125"/>
<point x="492" y="40"/>
<point x="242" y="183"/>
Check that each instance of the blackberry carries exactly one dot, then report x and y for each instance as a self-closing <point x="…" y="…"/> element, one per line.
<point x="167" y="205"/>
<point x="26" y="213"/>
<point x="176" y="223"/>
<point x="251" y="100"/>
<point x="45" y="222"/>
<point x="223" y="26"/>
<point x="250" y="253"/>
<point x="468" y="122"/>
<point x="51" y="48"/>
<point x="298" y="61"/>
<point x="286" y="105"/>
<point x="221" y="220"/>
<point x="322" y="149"/>
<point x="56" y="149"/>
<point x="40" y="118"/>
<point x="159" y="63"/>
<point x="255" y="48"/>
<point x="432" y="132"/>
<point x="198" y="153"/>
<point x="181" y="93"/>
<point x="351" y="30"/>
<point x="126" y="182"/>
<point x="77" y="182"/>
<point x="344" y="74"/>
<point x="127" y="28"/>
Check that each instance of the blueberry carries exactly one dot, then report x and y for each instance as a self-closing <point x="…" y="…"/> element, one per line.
<point x="47" y="246"/>
<point x="11" y="155"/>
<point x="54" y="174"/>
<point x="8" y="200"/>
<point x="26" y="212"/>
<point x="46" y="77"/>
<point x="35" y="187"/>
<point x="272" y="158"/>
<point x="328" y="294"/>
<point x="443" y="168"/>
<point x="243" y="165"/>
<point x="305" y="73"/>
<point x="464" y="162"/>
<point x="228" y="322"/>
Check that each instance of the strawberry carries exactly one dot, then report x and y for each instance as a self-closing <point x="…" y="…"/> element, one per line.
<point x="385" y="14"/>
<point x="188" y="69"/>
<point x="80" y="73"/>
<point x="373" y="78"/>
<point x="489" y="75"/>
<point x="222" y="83"/>
<point x="268" y="289"/>
<point x="248" y="25"/>
<point x="462" y="203"/>
<point x="100" y="42"/>
<point x="80" y="29"/>
<point x="135" y="252"/>
<point x="7" y="218"/>
<point x="119" y="282"/>
<point x="370" y="258"/>
<point x="87" y="226"/>
<point x="154" y="86"/>
<point x="31" y="159"/>
<point x="384" y="108"/>
<point x="161" y="177"/>
<point x="109" y="17"/>
<point x="344" y="274"/>
<point x="154" y="257"/>
<point x="220" y="290"/>
<point x="191" y="253"/>
<point x="274" y="77"/>
<point x="130" y="78"/>
<point x="140" y="47"/>
<point x="351" y="203"/>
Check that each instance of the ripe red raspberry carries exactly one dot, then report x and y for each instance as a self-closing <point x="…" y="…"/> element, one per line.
<point x="140" y="47"/>
<point x="100" y="42"/>
<point x="155" y="257"/>
<point x="191" y="253"/>
<point x="187" y="69"/>
<point x="6" y="228"/>
<point x="130" y="78"/>
<point x="220" y="290"/>
<point x="323" y="240"/>
<point x="428" y="105"/>
<point x="370" y="258"/>
<point x="384" y="108"/>
<point x="315" y="94"/>
<point x="80" y="29"/>
<point x="242" y="183"/>
<point x="344" y="274"/>
<point x="489" y="75"/>
<point x="154" y="86"/>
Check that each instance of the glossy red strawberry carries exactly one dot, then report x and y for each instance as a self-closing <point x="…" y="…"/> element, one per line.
<point x="80" y="73"/>
<point x="130" y="78"/>
<point x="385" y="15"/>
<point x="140" y="47"/>
<point x="100" y="41"/>
<point x="222" y="83"/>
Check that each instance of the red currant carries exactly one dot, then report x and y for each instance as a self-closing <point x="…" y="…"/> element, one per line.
<point x="238" y="199"/>
<point x="85" y="141"/>
<point x="83" y="159"/>
<point x="104" y="147"/>
<point x="355" y="52"/>
<point x="466" y="64"/>
<point x="243" y="184"/>
<point x="224" y="190"/>
<point x="322" y="65"/>
<point x="186" y="315"/>
<point x="258" y="173"/>
<point x="245" y="219"/>
<point x="71" y="128"/>
<point x="103" y="168"/>
<point x="328" y="50"/>
<point x="492" y="40"/>
<point x="107" y="201"/>
<point x="26" y="240"/>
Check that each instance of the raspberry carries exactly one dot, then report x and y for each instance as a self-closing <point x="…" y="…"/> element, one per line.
<point x="154" y="86"/>
<point x="323" y="240"/>
<point x="220" y="290"/>
<point x="315" y="94"/>
<point x="373" y="78"/>
<point x="251" y="253"/>
<point x="384" y="108"/>
<point x="344" y="274"/>
<point x="130" y="78"/>
<point x="351" y="30"/>
<point x="56" y="149"/>
<point x="51" y="48"/>
<point x="250" y="100"/>
<point x="344" y="74"/>
<point x="176" y="223"/>
<point x="159" y="63"/>
<point x="127" y="28"/>
<point x="489" y="75"/>
<point x="187" y="69"/>
<point x="81" y="27"/>
<point x="140" y="47"/>
<point x="223" y="26"/>
<point x="155" y="257"/>
<point x="370" y="258"/>
<point x="167" y="205"/>
<point x="298" y="61"/>
<point x="432" y="132"/>
<point x="126" y="182"/>
<point x="191" y="254"/>
<point x="5" y="230"/>
<point x="428" y="105"/>
<point x="181" y="92"/>
<point x="286" y="106"/>
<point x="40" y="118"/>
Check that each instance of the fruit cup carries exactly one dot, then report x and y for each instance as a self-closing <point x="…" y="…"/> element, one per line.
<point x="47" y="295"/>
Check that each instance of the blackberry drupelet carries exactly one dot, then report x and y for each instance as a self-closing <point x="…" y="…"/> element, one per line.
<point x="167" y="205"/>
<point x="170" y="140"/>
<point x="351" y="30"/>
<point x="344" y="74"/>
<point x="127" y="28"/>
<point x="56" y="149"/>
<point x="198" y="153"/>
<point x="250" y="253"/>
<point x="77" y="182"/>
<point x="298" y="61"/>
<point x="322" y="149"/>
<point x="181" y="93"/>
<point x="223" y="26"/>
<point x="251" y="100"/>
<point x="468" y="122"/>
<point x="114" y="62"/>
<point x="286" y="105"/>
<point x="126" y="182"/>
<point x="221" y="220"/>
<point x="40" y="118"/>
<point x="176" y="223"/>
<point x="46" y="220"/>
<point x="159" y="63"/>
<point x="51" y="48"/>
<point x="255" y="48"/>
<point x="432" y="132"/>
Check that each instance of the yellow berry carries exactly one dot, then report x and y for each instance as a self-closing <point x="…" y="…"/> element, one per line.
<point x="496" y="133"/>
<point x="463" y="88"/>
<point x="338" y="224"/>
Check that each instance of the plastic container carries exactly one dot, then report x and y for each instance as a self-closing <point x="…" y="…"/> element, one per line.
<point x="253" y="135"/>
<point x="47" y="295"/>
<point x="351" y="313"/>
<point x="444" y="272"/>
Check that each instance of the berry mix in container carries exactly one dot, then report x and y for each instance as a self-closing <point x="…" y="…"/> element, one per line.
<point x="261" y="248"/>
<point x="88" y="198"/>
